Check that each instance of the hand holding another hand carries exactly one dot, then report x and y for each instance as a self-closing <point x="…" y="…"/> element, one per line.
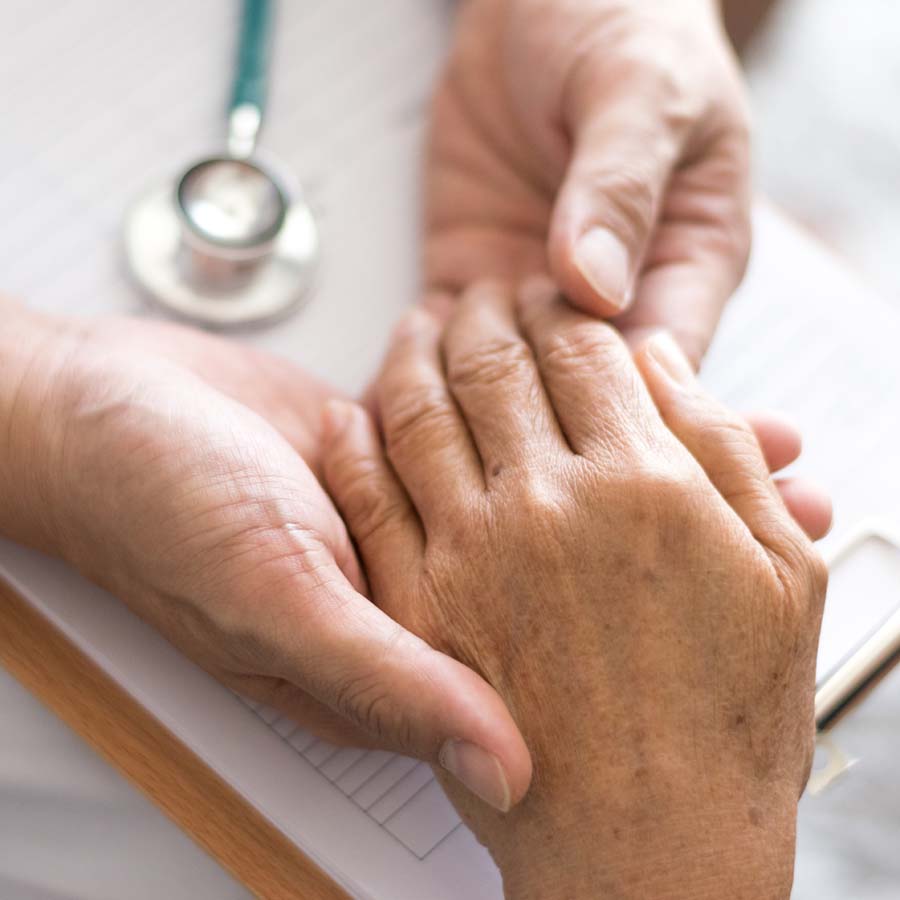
<point x="177" y="470"/>
<point x="604" y="142"/>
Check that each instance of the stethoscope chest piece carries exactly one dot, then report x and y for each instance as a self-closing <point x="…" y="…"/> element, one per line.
<point x="226" y="246"/>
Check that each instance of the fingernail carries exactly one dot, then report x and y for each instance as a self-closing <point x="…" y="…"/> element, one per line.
<point x="335" y="416"/>
<point x="604" y="262"/>
<point x="478" y="770"/>
<point x="663" y="349"/>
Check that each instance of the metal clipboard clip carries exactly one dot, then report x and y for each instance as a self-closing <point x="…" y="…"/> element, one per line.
<point x="843" y="688"/>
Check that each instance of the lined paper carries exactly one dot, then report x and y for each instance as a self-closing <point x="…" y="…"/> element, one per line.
<point x="398" y="793"/>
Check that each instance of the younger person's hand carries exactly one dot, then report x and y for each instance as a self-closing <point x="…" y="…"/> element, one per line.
<point x="177" y="470"/>
<point x="602" y="141"/>
<point x="609" y="552"/>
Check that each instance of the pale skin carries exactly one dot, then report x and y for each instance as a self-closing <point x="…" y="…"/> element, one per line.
<point x="605" y="142"/>
<point x="621" y="568"/>
<point x="180" y="472"/>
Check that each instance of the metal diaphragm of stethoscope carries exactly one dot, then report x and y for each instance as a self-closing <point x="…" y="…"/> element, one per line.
<point x="231" y="242"/>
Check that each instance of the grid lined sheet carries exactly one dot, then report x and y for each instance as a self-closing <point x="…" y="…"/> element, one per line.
<point x="399" y="793"/>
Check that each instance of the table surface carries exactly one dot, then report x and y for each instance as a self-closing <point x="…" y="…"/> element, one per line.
<point x="72" y="826"/>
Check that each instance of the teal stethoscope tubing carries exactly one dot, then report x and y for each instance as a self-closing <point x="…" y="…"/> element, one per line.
<point x="254" y="45"/>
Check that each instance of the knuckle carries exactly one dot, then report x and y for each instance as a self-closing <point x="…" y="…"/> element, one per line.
<point x="368" y="509"/>
<point x="818" y="576"/>
<point x="592" y="346"/>
<point x="804" y="578"/>
<point x="413" y="416"/>
<point x="369" y="697"/>
<point x="660" y="500"/>
<point x="489" y="362"/>
<point x="651" y="62"/>
<point x="366" y="702"/>
<point x="815" y="573"/>
<point x="729" y="437"/>
<point x="659" y="74"/>
<point x="728" y="231"/>
<point x="542" y="524"/>
<point x="661" y="488"/>
<point x="732" y="429"/>
<point x="538" y="500"/>
<point x="630" y="197"/>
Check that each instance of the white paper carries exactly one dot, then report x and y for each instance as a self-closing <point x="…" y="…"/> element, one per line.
<point x="115" y="96"/>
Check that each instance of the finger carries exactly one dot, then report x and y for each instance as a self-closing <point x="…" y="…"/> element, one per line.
<point x="809" y="505"/>
<point x="623" y="153"/>
<point x="439" y="305"/>
<point x="299" y="707"/>
<point x="382" y="677"/>
<point x="493" y="375"/>
<point x="427" y="440"/>
<point x="409" y="697"/>
<point x="781" y="444"/>
<point x="779" y="439"/>
<point x="371" y="499"/>
<point x="699" y="250"/>
<point x="587" y="371"/>
<point x="722" y="442"/>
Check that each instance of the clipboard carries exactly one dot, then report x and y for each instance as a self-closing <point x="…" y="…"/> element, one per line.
<point x="850" y="682"/>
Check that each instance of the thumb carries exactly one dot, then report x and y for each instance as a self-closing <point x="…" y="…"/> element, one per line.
<point x="352" y="657"/>
<point x="438" y="706"/>
<point x="608" y="205"/>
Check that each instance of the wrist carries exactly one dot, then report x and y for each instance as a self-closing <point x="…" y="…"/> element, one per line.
<point x="649" y="844"/>
<point x="30" y="366"/>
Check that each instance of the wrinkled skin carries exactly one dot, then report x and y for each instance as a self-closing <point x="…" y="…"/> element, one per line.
<point x="178" y="471"/>
<point x="558" y="117"/>
<point x="603" y="543"/>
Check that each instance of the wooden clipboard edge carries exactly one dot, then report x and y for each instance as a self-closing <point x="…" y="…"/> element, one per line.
<point x="158" y="763"/>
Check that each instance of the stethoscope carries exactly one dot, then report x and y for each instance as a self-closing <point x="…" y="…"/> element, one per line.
<point x="231" y="242"/>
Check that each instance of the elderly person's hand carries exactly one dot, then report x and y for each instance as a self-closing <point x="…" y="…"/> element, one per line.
<point x="610" y="553"/>
<point x="603" y="140"/>
<point x="166" y="465"/>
